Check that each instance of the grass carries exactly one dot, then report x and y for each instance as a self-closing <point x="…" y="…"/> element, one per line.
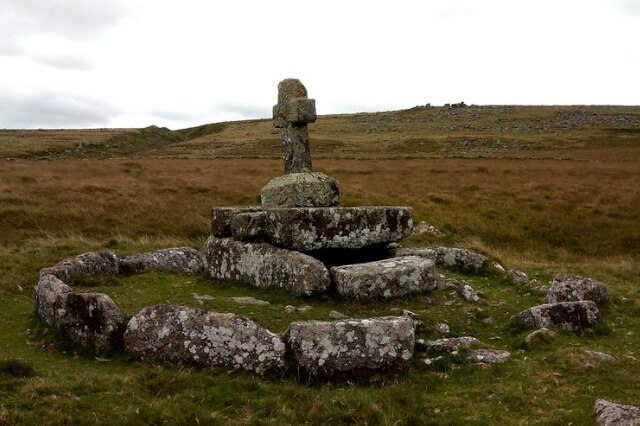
<point x="544" y="202"/>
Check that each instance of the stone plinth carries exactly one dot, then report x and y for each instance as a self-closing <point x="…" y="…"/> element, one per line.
<point x="264" y="265"/>
<point x="385" y="278"/>
<point x="301" y="190"/>
<point x="307" y="229"/>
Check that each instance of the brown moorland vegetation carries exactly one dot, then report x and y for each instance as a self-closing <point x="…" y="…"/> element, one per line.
<point x="542" y="189"/>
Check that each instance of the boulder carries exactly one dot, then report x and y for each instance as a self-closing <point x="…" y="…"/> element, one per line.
<point x="566" y="315"/>
<point x="610" y="413"/>
<point x="518" y="276"/>
<point x="488" y="356"/>
<point x="264" y="265"/>
<point x="179" y="259"/>
<point x="183" y="334"/>
<point x="98" y="263"/>
<point x="351" y="345"/>
<point x="538" y="337"/>
<point x="314" y="228"/>
<point x="468" y="293"/>
<point x="385" y="278"/>
<point x="570" y="288"/>
<point x="450" y="345"/>
<point x="48" y="298"/>
<point x="448" y="256"/>
<point x="301" y="190"/>
<point x="221" y="218"/>
<point x="91" y="319"/>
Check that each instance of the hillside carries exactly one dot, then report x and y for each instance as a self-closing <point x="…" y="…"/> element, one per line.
<point x="576" y="132"/>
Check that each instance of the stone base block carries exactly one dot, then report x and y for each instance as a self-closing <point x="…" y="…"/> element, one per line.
<point x="184" y="334"/>
<point x="264" y="265"/>
<point x="350" y="346"/>
<point x="221" y="218"/>
<point x="301" y="190"/>
<point x="314" y="228"/>
<point x="385" y="278"/>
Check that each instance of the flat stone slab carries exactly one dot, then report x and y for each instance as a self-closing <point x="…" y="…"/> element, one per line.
<point x="385" y="278"/>
<point x="566" y="315"/>
<point x="488" y="356"/>
<point x="301" y="190"/>
<point x="351" y="345"/>
<point x="570" y="288"/>
<point x="264" y="265"/>
<point x="184" y="334"/>
<point x="447" y="256"/>
<point x="178" y="259"/>
<point x="610" y="413"/>
<point x="314" y="228"/>
<point x="450" y="345"/>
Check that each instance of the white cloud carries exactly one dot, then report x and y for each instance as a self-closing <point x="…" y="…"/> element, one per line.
<point x="185" y="63"/>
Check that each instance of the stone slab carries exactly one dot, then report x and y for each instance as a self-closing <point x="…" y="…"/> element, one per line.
<point x="314" y="228"/>
<point x="385" y="278"/>
<point x="566" y="315"/>
<point x="178" y="259"/>
<point x="609" y="413"/>
<point x="221" y="218"/>
<point x="448" y="256"/>
<point x="95" y="263"/>
<point x="264" y="265"/>
<point x="351" y="345"/>
<point x="185" y="334"/>
<point x="301" y="190"/>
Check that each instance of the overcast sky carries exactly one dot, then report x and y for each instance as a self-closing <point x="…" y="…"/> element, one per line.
<point x="133" y="63"/>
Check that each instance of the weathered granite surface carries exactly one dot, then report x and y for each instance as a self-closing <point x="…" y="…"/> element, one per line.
<point x="488" y="356"/>
<point x="566" y="315"/>
<point x="609" y="413"/>
<point x="569" y="288"/>
<point x="351" y="345"/>
<point x="179" y="259"/>
<point x="184" y="334"/>
<point x="95" y="263"/>
<point x="301" y="190"/>
<point x="313" y="228"/>
<point x="91" y="319"/>
<point x="448" y="345"/>
<point x="264" y="265"/>
<point x="447" y="256"/>
<point x="221" y="218"/>
<point x="385" y="278"/>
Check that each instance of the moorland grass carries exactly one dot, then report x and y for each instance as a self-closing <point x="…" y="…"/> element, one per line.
<point x="544" y="216"/>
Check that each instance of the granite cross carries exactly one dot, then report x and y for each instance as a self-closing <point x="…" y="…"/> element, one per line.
<point x="291" y="115"/>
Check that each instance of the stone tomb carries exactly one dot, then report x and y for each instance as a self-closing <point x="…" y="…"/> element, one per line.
<point x="283" y="242"/>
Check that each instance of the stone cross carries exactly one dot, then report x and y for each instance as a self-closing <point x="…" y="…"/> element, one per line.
<point x="291" y="115"/>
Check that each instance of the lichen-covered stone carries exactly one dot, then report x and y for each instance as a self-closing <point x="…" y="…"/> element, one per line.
<point x="566" y="315"/>
<point x="385" y="278"/>
<point x="221" y="218"/>
<point x="314" y="228"/>
<point x="448" y="256"/>
<point x="184" y="334"/>
<point x="48" y="298"/>
<point x="90" y="319"/>
<point x="539" y="337"/>
<point x="488" y="356"/>
<point x="518" y="276"/>
<point x="264" y="265"/>
<point x="569" y="288"/>
<point x="610" y="413"/>
<point x="297" y="111"/>
<point x="351" y="345"/>
<point x="98" y="263"/>
<point x="448" y="345"/>
<point x="301" y="190"/>
<point x="179" y="259"/>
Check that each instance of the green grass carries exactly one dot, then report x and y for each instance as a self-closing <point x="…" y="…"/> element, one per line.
<point x="523" y="187"/>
